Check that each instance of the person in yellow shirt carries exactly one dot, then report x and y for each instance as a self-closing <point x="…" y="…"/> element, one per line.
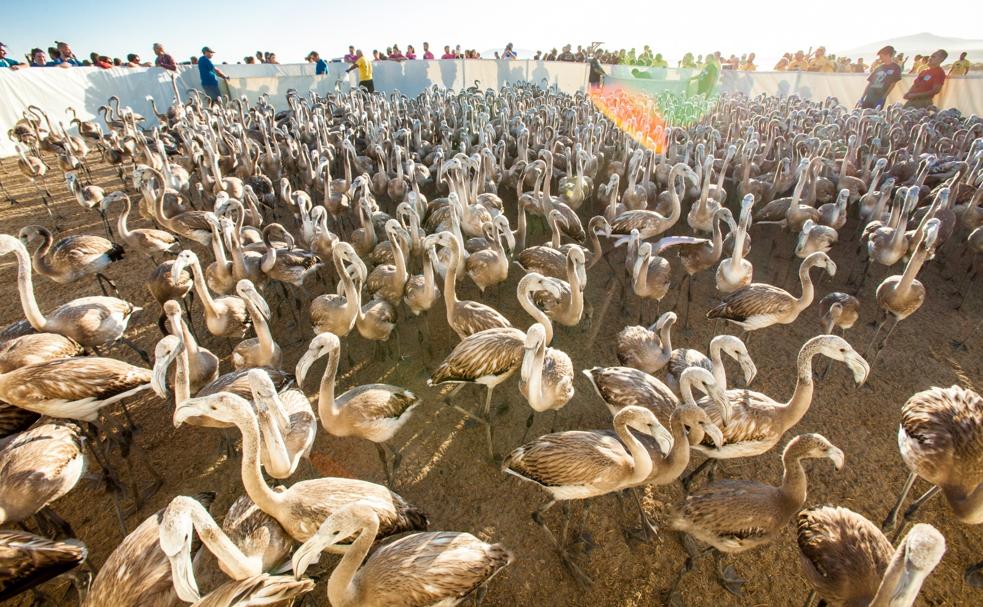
<point x="960" y="67"/>
<point x="820" y="62"/>
<point x="798" y="63"/>
<point x="748" y="65"/>
<point x="364" y="67"/>
<point x="919" y="65"/>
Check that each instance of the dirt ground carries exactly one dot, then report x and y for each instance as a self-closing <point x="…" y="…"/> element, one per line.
<point x="444" y="470"/>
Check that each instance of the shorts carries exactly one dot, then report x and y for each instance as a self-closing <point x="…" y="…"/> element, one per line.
<point x="368" y="84"/>
<point x="920" y="103"/>
<point x="212" y="91"/>
<point x="871" y="102"/>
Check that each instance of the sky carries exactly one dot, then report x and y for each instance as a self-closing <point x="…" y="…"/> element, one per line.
<point x="292" y="28"/>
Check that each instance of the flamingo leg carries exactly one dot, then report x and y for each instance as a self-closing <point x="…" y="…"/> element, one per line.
<point x="537" y="516"/>
<point x="892" y="517"/>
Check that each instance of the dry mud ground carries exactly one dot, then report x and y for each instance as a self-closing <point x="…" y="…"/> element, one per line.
<point x="444" y="470"/>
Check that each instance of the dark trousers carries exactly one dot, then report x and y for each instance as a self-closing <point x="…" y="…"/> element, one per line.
<point x="368" y="84"/>
<point x="212" y="91"/>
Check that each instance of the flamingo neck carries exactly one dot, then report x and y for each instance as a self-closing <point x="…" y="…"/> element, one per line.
<point x="641" y="460"/>
<point x="25" y="286"/>
<point x="341" y="585"/>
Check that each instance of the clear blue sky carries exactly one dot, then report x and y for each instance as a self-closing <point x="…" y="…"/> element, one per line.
<point x="291" y="28"/>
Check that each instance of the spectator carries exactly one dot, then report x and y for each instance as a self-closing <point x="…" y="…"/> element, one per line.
<point x="447" y="53"/>
<point x="580" y="55"/>
<point x="859" y="67"/>
<point x="820" y="62"/>
<point x="395" y="54"/>
<point x="881" y="80"/>
<point x="271" y="58"/>
<point x="163" y="59"/>
<point x="928" y="83"/>
<point x="410" y="52"/>
<point x="551" y="56"/>
<point x="320" y="65"/>
<point x="959" y="67"/>
<point x="782" y="64"/>
<point x="210" y="74"/>
<point x="194" y="60"/>
<point x="375" y="56"/>
<point x="509" y="52"/>
<point x="250" y="60"/>
<point x="6" y="61"/>
<point x="38" y="58"/>
<point x="457" y="52"/>
<point x="566" y="55"/>
<point x="117" y="62"/>
<point x="133" y="60"/>
<point x="260" y="57"/>
<point x="66" y="56"/>
<point x="426" y="51"/>
<point x="596" y="73"/>
<point x="748" y="65"/>
<point x="101" y="61"/>
<point x="918" y="64"/>
<point x="351" y="57"/>
<point x="538" y="56"/>
<point x="364" y="67"/>
<point x="707" y="78"/>
<point x="798" y="63"/>
<point x="658" y="61"/>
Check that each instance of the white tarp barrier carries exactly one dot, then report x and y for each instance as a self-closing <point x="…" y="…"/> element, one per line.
<point x="85" y="89"/>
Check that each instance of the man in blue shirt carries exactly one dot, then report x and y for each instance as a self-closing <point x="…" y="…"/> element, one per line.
<point x="65" y="56"/>
<point x="7" y="61"/>
<point x="210" y="74"/>
<point x="320" y="65"/>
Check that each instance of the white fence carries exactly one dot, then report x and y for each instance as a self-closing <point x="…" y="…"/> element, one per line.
<point x="86" y="89"/>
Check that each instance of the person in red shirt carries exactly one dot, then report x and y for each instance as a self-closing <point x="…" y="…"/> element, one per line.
<point x="448" y="54"/>
<point x="426" y="51"/>
<point x="928" y="83"/>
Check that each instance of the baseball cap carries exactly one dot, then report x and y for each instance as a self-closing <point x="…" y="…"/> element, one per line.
<point x="207" y="49"/>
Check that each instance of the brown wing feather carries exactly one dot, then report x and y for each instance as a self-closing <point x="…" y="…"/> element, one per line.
<point x="27" y="560"/>
<point x="623" y="386"/>
<point x="72" y="379"/>
<point x="753" y="417"/>
<point x="490" y="352"/>
<point x="752" y="300"/>
<point x="544" y="260"/>
<point x="945" y="431"/>
<point x="732" y="510"/>
<point x="263" y="589"/>
<point x="14" y="419"/>
<point x="427" y="568"/>
<point x="36" y="348"/>
<point x="573" y="458"/>
<point x="472" y="317"/>
<point x="843" y="554"/>
<point x="237" y="382"/>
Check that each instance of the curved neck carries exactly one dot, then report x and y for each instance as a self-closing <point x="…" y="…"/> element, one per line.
<point x="534" y="382"/>
<point x="641" y="460"/>
<point x="262" y="328"/>
<point x="42" y="263"/>
<point x="677" y="459"/>
<point x="121" y="221"/>
<point x="231" y="559"/>
<point x="665" y="338"/>
<point x="450" y="279"/>
<point x="808" y="292"/>
<point x="797" y="406"/>
<point x="911" y="270"/>
<point x="341" y="587"/>
<point x="596" y="251"/>
<point x="327" y="408"/>
<point x="794" y="483"/>
<point x="718" y="370"/>
<point x="889" y="581"/>
<point x="25" y="287"/>
<point x="525" y="300"/>
<point x="576" y="289"/>
<point x="201" y="288"/>
<point x="252" y="477"/>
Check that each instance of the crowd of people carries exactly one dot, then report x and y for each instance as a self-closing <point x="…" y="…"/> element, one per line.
<point x="818" y="60"/>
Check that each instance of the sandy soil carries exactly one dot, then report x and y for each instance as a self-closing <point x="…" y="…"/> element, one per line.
<point x="444" y="470"/>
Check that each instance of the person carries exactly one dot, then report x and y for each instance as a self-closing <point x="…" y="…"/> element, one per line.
<point x="351" y="57"/>
<point x="410" y="52"/>
<point x="960" y="67"/>
<point x="928" y="83"/>
<point x="820" y="62"/>
<point x="859" y="67"/>
<point x="782" y="64"/>
<point x="658" y="61"/>
<point x="209" y="74"/>
<point x="364" y="67"/>
<point x="596" y="73"/>
<point x="881" y="80"/>
<point x="395" y="54"/>
<point x="133" y="60"/>
<point x="38" y="58"/>
<point x="66" y="56"/>
<point x="6" y="61"/>
<point x="427" y="55"/>
<point x="566" y="55"/>
<point x="917" y="65"/>
<point x="447" y="53"/>
<point x="163" y="59"/>
<point x="271" y="59"/>
<point x="509" y="52"/>
<point x="798" y="63"/>
<point x="320" y="65"/>
<point x="550" y="56"/>
<point x="249" y="59"/>
<point x="580" y="56"/>
<point x="707" y="78"/>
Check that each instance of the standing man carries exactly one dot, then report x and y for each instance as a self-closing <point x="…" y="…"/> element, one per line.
<point x="364" y="71"/>
<point x="351" y="57"/>
<point x="426" y="52"/>
<point x="7" y="61"/>
<point x="706" y="80"/>
<point x="881" y="80"/>
<point x="960" y="67"/>
<point x="509" y="53"/>
<point x="210" y="74"/>
<point x="163" y="59"/>
<point x="320" y="65"/>
<point x="928" y="83"/>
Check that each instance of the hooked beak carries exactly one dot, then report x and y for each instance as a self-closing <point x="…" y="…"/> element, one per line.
<point x="158" y="380"/>
<point x="719" y="396"/>
<point x="309" y="553"/>
<point x="303" y="366"/>
<point x="662" y="437"/>
<point x="836" y="456"/>
<point x="831" y="267"/>
<point x="859" y="366"/>
<point x="176" y="269"/>
<point x="714" y="433"/>
<point x="749" y="368"/>
<point x="183" y="576"/>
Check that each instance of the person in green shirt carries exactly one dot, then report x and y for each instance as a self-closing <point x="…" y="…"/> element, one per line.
<point x="706" y="80"/>
<point x="658" y="61"/>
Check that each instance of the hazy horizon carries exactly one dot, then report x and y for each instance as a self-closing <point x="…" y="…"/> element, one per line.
<point x="296" y="27"/>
